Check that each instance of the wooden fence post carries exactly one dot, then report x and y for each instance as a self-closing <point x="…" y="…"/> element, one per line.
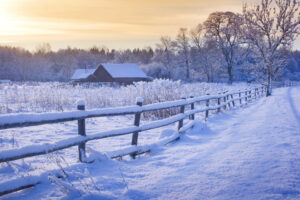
<point x="81" y="131"/>
<point x="246" y="97"/>
<point x="207" y="106"/>
<point x="224" y="100"/>
<point x="219" y="102"/>
<point x="192" y="117"/>
<point x="233" y="104"/>
<point x="266" y="90"/>
<point x="180" y="123"/>
<point x="228" y="100"/>
<point x="240" y="95"/>
<point x="137" y="119"/>
<point x="250" y="97"/>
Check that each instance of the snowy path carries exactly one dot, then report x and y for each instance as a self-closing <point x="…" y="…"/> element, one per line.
<point x="247" y="153"/>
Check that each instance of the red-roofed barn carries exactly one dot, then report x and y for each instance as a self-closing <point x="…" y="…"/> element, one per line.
<point x="126" y="73"/>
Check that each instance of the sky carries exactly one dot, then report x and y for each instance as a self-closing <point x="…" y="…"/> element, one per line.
<point x="115" y="24"/>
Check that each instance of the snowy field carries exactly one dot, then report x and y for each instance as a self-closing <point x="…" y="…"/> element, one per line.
<point x="243" y="153"/>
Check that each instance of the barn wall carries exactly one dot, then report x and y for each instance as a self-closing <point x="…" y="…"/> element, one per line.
<point x="100" y="75"/>
<point x="129" y="80"/>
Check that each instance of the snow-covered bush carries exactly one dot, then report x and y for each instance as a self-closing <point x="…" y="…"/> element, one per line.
<point x="56" y="96"/>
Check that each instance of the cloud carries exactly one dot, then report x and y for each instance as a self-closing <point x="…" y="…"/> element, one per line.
<point x="118" y="11"/>
<point x="109" y="20"/>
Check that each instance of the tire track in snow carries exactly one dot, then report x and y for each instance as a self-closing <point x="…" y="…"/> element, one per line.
<point x="292" y="101"/>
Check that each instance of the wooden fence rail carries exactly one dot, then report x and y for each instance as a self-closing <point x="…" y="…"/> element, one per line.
<point x="23" y="120"/>
<point x="187" y="111"/>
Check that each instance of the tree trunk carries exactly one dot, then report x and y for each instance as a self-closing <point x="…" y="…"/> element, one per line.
<point x="207" y="74"/>
<point x="269" y="85"/>
<point x="187" y="69"/>
<point x="208" y="78"/>
<point x="230" y="76"/>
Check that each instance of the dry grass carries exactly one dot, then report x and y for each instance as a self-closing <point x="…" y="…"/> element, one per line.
<point x="55" y="96"/>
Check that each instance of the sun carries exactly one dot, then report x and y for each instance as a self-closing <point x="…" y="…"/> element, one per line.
<point x="10" y="25"/>
<point x="7" y="26"/>
<point x="3" y="20"/>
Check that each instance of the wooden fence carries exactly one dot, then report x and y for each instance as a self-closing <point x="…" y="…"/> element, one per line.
<point x="187" y="111"/>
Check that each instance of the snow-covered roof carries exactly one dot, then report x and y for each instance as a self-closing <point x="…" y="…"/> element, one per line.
<point x="5" y="81"/>
<point x="125" y="70"/>
<point x="82" y="73"/>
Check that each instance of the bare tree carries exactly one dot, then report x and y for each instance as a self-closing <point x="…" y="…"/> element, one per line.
<point x="205" y="52"/>
<point x="270" y="26"/>
<point x="165" y="54"/>
<point x="197" y="39"/>
<point x="197" y="36"/>
<point x="223" y="27"/>
<point x="43" y="48"/>
<point x="183" y="46"/>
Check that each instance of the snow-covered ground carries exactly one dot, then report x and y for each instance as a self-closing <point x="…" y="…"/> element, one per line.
<point x="250" y="152"/>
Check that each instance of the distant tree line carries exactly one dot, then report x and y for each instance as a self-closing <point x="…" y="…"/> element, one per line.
<point x="252" y="45"/>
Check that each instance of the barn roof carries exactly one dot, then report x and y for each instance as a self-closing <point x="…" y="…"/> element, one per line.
<point x="82" y="73"/>
<point x="125" y="70"/>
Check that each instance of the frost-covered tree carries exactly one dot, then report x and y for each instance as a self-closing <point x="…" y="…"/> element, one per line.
<point x="183" y="49"/>
<point x="43" y="48"/>
<point x="164" y="54"/>
<point x="269" y="27"/>
<point x="223" y="27"/>
<point x="207" y="55"/>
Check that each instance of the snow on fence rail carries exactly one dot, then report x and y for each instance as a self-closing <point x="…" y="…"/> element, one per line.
<point x="22" y="120"/>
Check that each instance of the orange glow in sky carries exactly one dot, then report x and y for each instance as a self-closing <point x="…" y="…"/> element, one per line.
<point x="113" y="23"/>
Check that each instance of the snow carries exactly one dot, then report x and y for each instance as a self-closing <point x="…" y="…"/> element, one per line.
<point x="161" y="105"/>
<point x="56" y="96"/>
<point x="162" y="122"/>
<point x="42" y="117"/>
<point x="82" y="73"/>
<point x="33" y="180"/>
<point x="40" y="149"/>
<point x="125" y="70"/>
<point x="247" y="152"/>
<point x="139" y="100"/>
<point x="81" y="102"/>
